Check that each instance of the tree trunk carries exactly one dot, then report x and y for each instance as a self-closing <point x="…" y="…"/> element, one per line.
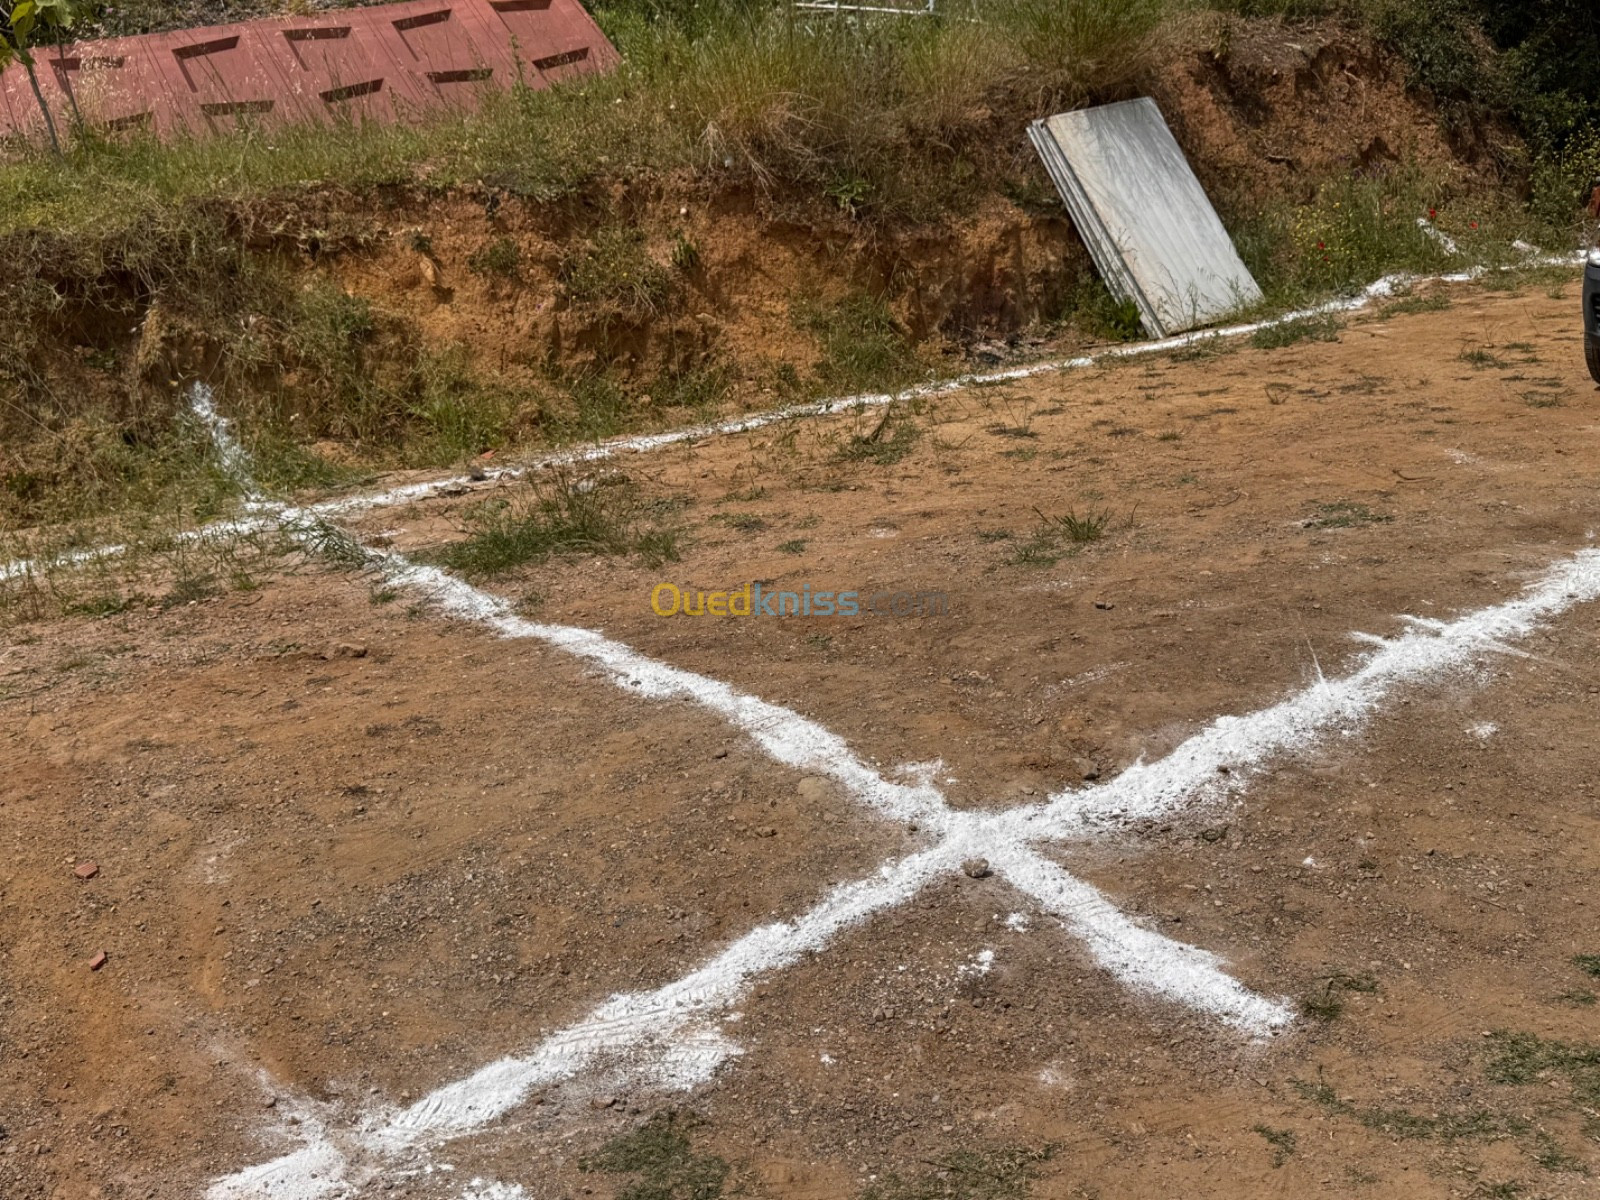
<point x="49" y="121"/>
<point x="66" y="85"/>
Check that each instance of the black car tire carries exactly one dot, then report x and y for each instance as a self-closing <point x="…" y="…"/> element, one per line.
<point x="1591" y="351"/>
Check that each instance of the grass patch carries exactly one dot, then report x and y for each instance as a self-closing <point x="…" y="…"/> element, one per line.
<point x="158" y="564"/>
<point x="1552" y="1156"/>
<point x="1323" y="328"/>
<point x="700" y="388"/>
<point x="1344" y="514"/>
<point x="1003" y="1174"/>
<point x="660" y="1158"/>
<point x="1409" y="1126"/>
<point x="564" y="515"/>
<point x="1432" y="302"/>
<point x="1524" y="1058"/>
<point x="863" y="346"/>
<point x="1000" y="429"/>
<point x="792" y="546"/>
<point x="598" y="409"/>
<point x="1043" y="549"/>
<point x="1589" y="964"/>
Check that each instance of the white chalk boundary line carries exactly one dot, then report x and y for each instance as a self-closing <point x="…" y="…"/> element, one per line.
<point x="670" y="1037"/>
<point x="428" y="489"/>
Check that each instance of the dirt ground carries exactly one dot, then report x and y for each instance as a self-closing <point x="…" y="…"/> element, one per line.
<point x="348" y="851"/>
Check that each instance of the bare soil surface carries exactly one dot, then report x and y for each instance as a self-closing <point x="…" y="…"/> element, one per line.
<point x="348" y="851"/>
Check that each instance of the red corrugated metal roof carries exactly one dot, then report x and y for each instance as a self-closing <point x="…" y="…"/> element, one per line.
<point x="388" y="63"/>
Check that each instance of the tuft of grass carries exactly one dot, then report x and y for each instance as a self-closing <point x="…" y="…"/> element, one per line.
<point x="792" y="546"/>
<point x="1090" y="527"/>
<point x="994" y="1174"/>
<point x="1054" y="538"/>
<point x="1000" y="429"/>
<point x="1282" y="1142"/>
<point x="1041" y="550"/>
<point x="564" y="514"/>
<point x="500" y="257"/>
<point x="685" y="254"/>
<point x="1323" y="328"/>
<point x="615" y="273"/>
<point x="190" y="587"/>
<point x="1480" y="357"/>
<point x="1103" y="316"/>
<point x="661" y="1159"/>
<point x="325" y="540"/>
<point x="1326" y="1004"/>
<point x="1589" y="964"/>
<point x="886" y="443"/>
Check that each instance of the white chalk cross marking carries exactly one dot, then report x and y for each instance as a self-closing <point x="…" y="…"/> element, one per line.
<point x="671" y="1037"/>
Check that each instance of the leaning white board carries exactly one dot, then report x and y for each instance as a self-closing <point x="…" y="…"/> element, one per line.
<point x="1145" y="218"/>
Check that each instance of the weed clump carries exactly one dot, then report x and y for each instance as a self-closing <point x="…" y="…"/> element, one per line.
<point x="1054" y="538"/>
<point x="565" y="514"/>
